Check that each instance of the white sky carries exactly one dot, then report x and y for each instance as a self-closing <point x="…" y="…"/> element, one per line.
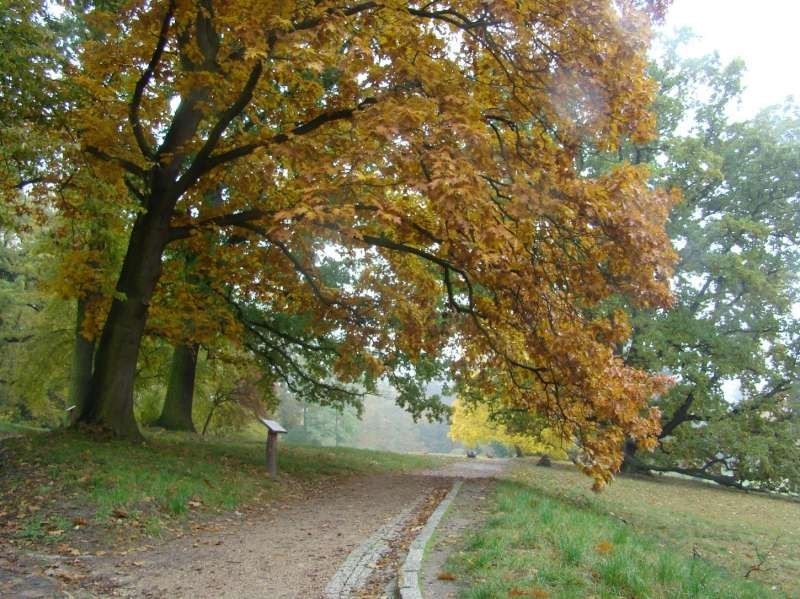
<point x="766" y="34"/>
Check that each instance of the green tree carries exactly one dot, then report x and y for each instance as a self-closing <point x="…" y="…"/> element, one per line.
<point x="732" y="325"/>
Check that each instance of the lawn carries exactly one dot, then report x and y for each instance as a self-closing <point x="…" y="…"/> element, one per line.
<point x="550" y="536"/>
<point x="55" y="487"/>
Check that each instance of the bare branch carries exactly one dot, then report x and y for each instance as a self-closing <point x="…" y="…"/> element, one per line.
<point x="127" y="165"/>
<point x="198" y="166"/>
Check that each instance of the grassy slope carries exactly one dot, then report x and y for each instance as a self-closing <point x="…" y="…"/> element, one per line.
<point x="51" y="483"/>
<point x="552" y="537"/>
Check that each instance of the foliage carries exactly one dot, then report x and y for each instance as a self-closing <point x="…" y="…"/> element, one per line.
<point x="536" y="546"/>
<point x="35" y="330"/>
<point x="311" y="424"/>
<point x="475" y="424"/>
<point x="432" y="149"/>
<point x="731" y="340"/>
<point x="29" y="60"/>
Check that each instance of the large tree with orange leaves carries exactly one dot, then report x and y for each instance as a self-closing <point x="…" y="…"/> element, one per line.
<point x="431" y="147"/>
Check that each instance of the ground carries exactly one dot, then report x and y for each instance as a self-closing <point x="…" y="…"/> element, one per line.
<point x="290" y="547"/>
<point x="337" y="523"/>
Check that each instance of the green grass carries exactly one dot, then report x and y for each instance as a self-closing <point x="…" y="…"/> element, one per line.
<point x="52" y="480"/>
<point x="10" y="428"/>
<point x="728" y="527"/>
<point x="543" y="547"/>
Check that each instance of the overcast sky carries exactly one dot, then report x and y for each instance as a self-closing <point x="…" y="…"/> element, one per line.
<point x="766" y="34"/>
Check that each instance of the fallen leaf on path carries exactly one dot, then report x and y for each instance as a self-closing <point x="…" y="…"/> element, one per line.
<point x="445" y="576"/>
<point x="64" y="548"/>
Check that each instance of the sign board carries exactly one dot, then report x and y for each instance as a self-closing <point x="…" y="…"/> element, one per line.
<point x="272" y="426"/>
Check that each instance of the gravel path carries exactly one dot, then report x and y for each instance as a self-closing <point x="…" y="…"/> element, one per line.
<point x="291" y="554"/>
<point x="288" y="551"/>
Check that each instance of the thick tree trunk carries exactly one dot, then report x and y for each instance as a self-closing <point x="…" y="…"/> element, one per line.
<point x="109" y="405"/>
<point x="176" y="414"/>
<point x="82" y="358"/>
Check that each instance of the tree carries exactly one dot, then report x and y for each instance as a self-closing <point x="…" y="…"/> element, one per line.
<point x="731" y="340"/>
<point x="434" y="146"/>
<point x="475" y="424"/>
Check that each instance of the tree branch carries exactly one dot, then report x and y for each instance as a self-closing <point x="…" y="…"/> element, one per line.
<point x="224" y="220"/>
<point x="127" y="165"/>
<point x="198" y="166"/>
<point x="302" y="129"/>
<point x="144" y="80"/>
<point x="680" y="416"/>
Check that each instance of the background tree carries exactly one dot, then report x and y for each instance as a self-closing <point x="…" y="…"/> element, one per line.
<point x="731" y="338"/>
<point x="473" y="425"/>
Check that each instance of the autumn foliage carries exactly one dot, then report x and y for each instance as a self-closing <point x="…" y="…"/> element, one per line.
<point x="474" y="425"/>
<point x="430" y="150"/>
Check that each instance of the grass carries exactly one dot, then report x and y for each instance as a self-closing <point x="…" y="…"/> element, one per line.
<point x="8" y="429"/>
<point x="54" y="484"/>
<point x="552" y="537"/>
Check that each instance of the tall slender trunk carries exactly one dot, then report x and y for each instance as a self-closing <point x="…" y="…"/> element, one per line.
<point x="109" y="401"/>
<point x="82" y="358"/>
<point x="176" y="414"/>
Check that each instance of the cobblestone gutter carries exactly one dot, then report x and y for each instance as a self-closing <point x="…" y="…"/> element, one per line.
<point x="409" y="572"/>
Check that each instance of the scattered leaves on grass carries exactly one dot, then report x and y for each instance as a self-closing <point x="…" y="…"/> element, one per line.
<point x="604" y="547"/>
<point x="535" y="593"/>
<point x="65" y="549"/>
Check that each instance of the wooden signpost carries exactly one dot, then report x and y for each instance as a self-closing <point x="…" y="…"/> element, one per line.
<point x="273" y="429"/>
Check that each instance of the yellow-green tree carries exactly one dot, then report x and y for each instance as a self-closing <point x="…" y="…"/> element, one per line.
<point x="472" y="425"/>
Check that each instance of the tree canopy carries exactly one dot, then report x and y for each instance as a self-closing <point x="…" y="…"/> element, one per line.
<point x="433" y="149"/>
<point x="472" y="425"/>
<point x="731" y="338"/>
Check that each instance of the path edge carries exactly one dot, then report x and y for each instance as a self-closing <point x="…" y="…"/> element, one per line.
<point x="409" y="571"/>
<point x="356" y="568"/>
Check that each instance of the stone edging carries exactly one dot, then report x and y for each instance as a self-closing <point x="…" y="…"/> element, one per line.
<point x="358" y="566"/>
<point x="408" y="574"/>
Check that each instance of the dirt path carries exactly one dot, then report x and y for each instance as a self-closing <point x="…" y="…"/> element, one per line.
<point x="291" y="553"/>
<point x="288" y="551"/>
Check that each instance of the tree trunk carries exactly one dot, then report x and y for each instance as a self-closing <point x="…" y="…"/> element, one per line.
<point x="630" y="465"/>
<point x="109" y="405"/>
<point x="82" y="358"/>
<point x="176" y="414"/>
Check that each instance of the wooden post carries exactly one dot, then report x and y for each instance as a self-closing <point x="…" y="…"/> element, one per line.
<point x="272" y="454"/>
<point x="273" y="429"/>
